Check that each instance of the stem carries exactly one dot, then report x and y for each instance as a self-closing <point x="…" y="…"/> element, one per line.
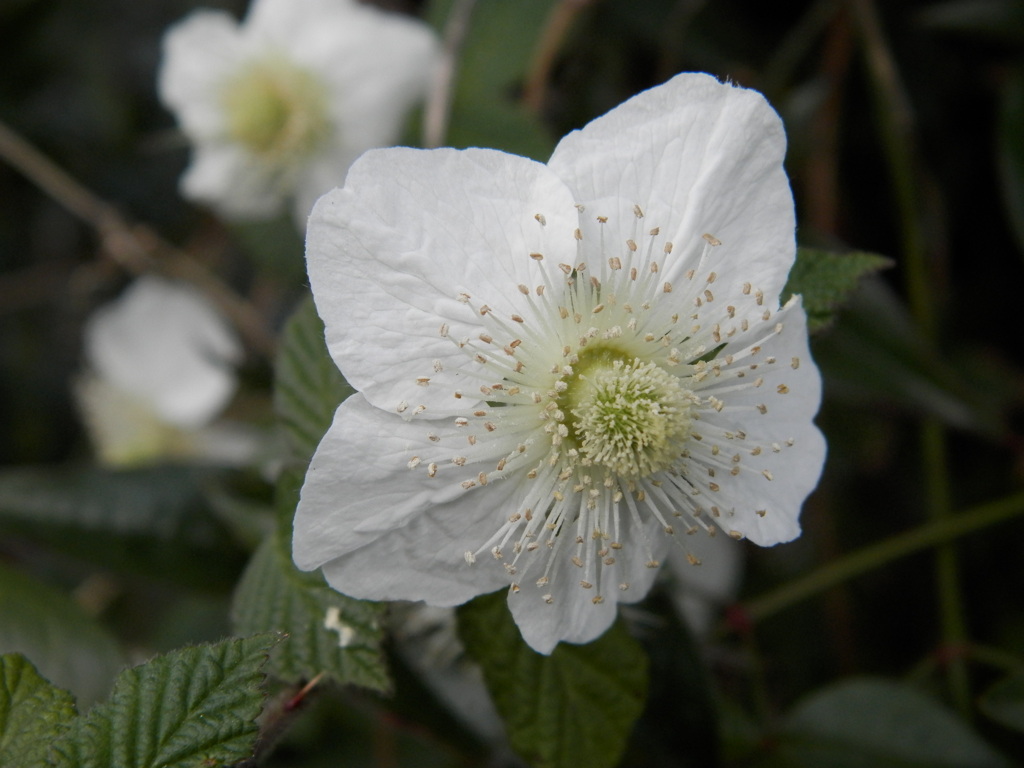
<point x="439" y="102"/>
<point x="135" y="247"/>
<point x="799" y="41"/>
<point x="557" y="27"/>
<point x="896" y="127"/>
<point x="867" y="559"/>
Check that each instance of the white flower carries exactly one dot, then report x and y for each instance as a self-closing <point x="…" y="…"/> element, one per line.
<point x="160" y="366"/>
<point x="563" y="370"/>
<point x="280" y="105"/>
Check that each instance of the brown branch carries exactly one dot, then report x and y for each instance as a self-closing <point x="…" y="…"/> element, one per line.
<point x="550" y="42"/>
<point x="133" y="246"/>
<point x="439" y="101"/>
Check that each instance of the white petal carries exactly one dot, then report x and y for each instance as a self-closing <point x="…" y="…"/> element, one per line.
<point x="319" y="176"/>
<point x="698" y="157"/>
<point x="199" y="52"/>
<point x="225" y="177"/>
<point x="374" y="65"/>
<point x="573" y="616"/>
<point x="388" y="64"/>
<point x="383" y="531"/>
<point x="282" y="20"/>
<point x="390" y="253"/>
<point x="778" y="479"/>
<point x="163" y="343"/>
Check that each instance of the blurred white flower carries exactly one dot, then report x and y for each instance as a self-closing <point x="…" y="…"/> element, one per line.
<point x="426" y="638"/>
<point x="699" y="595"/>
<point x="278" y="106"/>
<point x="562" y="369"/>
<point x="159" y="368"/>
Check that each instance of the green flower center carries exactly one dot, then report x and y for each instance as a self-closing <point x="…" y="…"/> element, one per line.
<point x="276" y="109"/>
<point x="628" y="416"/>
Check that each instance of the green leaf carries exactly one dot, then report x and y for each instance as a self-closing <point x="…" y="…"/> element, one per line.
<point x="327" y="631"/>
<point x="68" y="646"/>
<point x="189" y="708"/>
<point x="1010" y="150"/>
<point x="574" y="707"/>
<point x="308" y="387"/>
<point x="869" y="723"/>
<point x="875" y="356"/>
<point x="498" y="124"/>
<point x="32" y="712"/>
<point x="1004" y="702"/>
<point x="825" y="279"/>
<point x="152" y="521"/>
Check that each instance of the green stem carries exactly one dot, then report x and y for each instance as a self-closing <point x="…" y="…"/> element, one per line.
<point x="936" y="532"/>
<point x="896" y="129"/>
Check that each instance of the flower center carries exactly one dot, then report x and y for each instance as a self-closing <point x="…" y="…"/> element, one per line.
<point x="276" y="109"/>
<point x="629" y="416"/>
<point x="601" y="397"/>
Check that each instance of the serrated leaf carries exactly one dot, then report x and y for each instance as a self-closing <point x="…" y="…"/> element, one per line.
<point x="33" y="712"/>
<point x="66" y="645"/>
<point x="873" y="723"/>
<point x="825" y="279"/>
<point x="574" y="707"/>
<point x="327" y="632"/>
<point x="1004" y="702"/>
<point x="193" y="707"/>
<point x="308" y="387"/>
<point x="152" y="521"/>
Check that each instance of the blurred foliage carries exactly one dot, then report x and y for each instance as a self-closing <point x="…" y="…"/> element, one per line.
<point x="98" y="566"/>
<point x="550" y="704"/>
